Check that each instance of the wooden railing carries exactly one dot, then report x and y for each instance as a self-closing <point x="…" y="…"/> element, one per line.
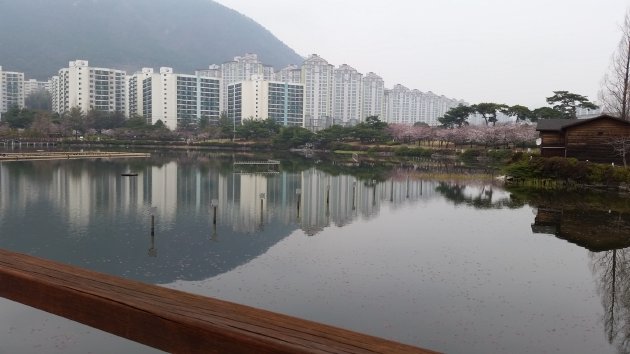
<point x="172" y="320"/>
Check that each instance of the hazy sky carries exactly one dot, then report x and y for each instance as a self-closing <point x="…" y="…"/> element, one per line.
<point x="504" y="51"/>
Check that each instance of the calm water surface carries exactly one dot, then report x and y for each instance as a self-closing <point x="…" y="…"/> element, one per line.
<point x="458" y="267"/>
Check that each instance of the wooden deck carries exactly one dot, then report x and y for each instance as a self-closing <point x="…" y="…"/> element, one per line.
<point x="66" y="155"/>
<point x="172" y="320"/>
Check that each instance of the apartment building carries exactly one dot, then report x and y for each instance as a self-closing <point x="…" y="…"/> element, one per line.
<point x="373" y="91"/>
<point x="11" y="90"/>
<point x="347" y="96"/>
<point x="32" y="86"/>
<point x="177" y="99"/>
<point x="135" y="92"/>
<point x="317" y="77"/>
<point x="291" y="74"/>
<point x="405" y="106"/>
<point x="89" y="88"/>
<point x="243" y="68"/>
<point x="258" y="98"/>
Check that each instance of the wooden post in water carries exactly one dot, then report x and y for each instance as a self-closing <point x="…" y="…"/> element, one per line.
<point x="262" y="197"/>
<point x="214" y="203"/>
<point x="298" y="191"/>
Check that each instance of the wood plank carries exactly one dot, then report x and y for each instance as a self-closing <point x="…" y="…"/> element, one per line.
<point x="172" y="320"/>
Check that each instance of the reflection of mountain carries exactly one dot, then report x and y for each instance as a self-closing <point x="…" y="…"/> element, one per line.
<point x="593" y="220"/>
<point x="85" y="213"/>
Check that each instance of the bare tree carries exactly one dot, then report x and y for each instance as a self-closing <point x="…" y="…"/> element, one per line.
<point x="615" y="91"/>
<point x="621" y="146"/>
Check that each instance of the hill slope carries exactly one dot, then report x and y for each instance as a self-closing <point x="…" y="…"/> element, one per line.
<point x="39" y="37"/>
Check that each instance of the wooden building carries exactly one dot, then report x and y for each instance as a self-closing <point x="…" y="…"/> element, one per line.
<point x="584" y="139"/>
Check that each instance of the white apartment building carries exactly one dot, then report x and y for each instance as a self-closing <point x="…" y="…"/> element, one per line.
<point x="347" y="96"/>
<point x="405" y="106"/>
<point x="240" y="69"/>
<point x="178" y="98"/>
<point x="260" y="99"/>
<point x="291" y="74"/>
<point x="135" y="90"/>
<point x="89" y="88"/>
<point x="397" y="105"/>
<point x="32" y="86"/>
<point x="373" y="92"/>
<point x="317" y="77"/>
<point x="11" y="90"/>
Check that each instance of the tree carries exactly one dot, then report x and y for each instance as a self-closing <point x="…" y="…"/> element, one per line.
<point x="621" y="146"/>
<point x="204" y="122"/>
<point x="456" y="116"/>
<point x="74" y="120"/>
<point x="226" y="125"/>
<point x="254" y="129"/>
<point x="545" y="113"/>
<point x="19" y="118"/>
<point x="615" y="91"/>
<point x="375" y="122"/>
<point x="567" y="103"/>
<point x="521" y="113"/>
<point x="293" y="136"/>
<point x="488" y="111"/>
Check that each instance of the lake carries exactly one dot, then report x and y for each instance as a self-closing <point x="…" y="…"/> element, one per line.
<point x="458" y="265"/>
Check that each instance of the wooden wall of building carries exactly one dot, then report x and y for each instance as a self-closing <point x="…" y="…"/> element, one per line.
<point x="591" y="141"/>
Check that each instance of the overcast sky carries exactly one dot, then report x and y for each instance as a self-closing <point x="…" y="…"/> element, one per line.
<point x="504" y="51"/>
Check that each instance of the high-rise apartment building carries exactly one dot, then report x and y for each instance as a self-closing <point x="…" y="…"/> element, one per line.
<point x="89" y="88"/>
<point x="260" y="99"/>
<point x="373" y="91"/>
<point x="11" y="90"/>
<point x="317" y="77"/>
<point x="135" y="91"/>
<point x="405" y="106"/>
<point x="32" y="86"/>
<point x="291" y="74"/>
<point x="177" y="99"/>
<point x="346" y="96"/>
<point x="243" y="68"/>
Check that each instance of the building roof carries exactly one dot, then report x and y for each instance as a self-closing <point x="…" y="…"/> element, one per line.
<point x="558" y="125"/>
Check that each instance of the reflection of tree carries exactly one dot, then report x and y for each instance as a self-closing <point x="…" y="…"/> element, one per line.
<point x="482" y="200"/>
<point x="612" y="275"/>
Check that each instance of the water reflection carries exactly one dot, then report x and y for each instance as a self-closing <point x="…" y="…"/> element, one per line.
<point x="204" y="217"/>
<point x="479" y="196"/>
<point x="593" y="220"/>
<point x="458" y="271"/>
<point x="599" y="222"/>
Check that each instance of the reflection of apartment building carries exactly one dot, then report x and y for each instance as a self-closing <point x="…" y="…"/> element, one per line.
<point x="261" y="99"/>
<point x="164" y="190"/>
<point x="11" y="90"/>
<point x="89" y="88"/>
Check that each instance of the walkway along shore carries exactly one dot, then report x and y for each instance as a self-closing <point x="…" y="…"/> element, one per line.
<point x="66" y="155"/>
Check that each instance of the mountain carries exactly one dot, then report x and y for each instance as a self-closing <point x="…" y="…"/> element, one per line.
<point x="38" y="37"/>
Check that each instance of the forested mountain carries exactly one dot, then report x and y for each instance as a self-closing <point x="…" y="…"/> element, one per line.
<point x="39" y="37"/>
